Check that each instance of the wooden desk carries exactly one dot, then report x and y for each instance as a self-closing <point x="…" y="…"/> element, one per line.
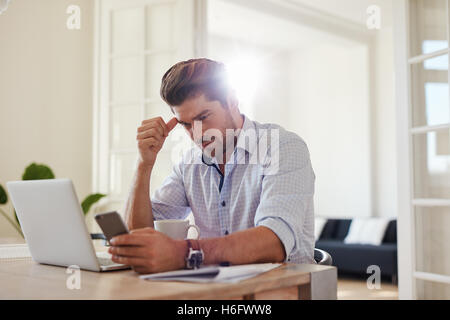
<point x="26" y="279"/>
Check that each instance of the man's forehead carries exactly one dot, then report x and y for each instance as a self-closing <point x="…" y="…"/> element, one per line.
<point x="192" y="109"/>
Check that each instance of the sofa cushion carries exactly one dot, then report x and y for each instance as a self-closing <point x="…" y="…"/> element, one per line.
<point x="343" y="226"/>
<point x="367" y="231"/>
<point x="355" y="258"/>
<point x="329" y="229"/>
<point x="391" y="232"/>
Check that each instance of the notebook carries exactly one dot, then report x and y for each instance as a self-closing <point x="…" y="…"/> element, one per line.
<point x="206" y="274"/>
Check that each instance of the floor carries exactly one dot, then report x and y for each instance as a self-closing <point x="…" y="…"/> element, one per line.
<point x="351" y="288"/>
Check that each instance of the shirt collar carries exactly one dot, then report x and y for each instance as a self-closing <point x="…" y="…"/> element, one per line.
<point x="248" y="131"/>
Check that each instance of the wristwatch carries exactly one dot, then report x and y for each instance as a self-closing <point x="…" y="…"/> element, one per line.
<point x="195" y="256"/>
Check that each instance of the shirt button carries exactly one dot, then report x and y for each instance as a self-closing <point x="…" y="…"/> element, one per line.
<point x="223" y="203"/>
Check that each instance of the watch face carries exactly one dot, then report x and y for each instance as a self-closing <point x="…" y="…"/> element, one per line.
<point x="195" y="259"/>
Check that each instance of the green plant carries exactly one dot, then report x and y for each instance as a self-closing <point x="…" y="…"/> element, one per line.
<point x="37" y="172"/>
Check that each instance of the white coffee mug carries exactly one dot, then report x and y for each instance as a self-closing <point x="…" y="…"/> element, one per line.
<point x="176" y="229"/>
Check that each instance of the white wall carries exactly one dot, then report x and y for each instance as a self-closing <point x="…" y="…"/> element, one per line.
<point x="336" y="93"/>
<point x="382" y="112"/>
<point x="330" y="110"/>
<point x="45" y="92"/>
<point x="345" y="130"/>
<point x="303" y="90"/>
<point x="384" y="124"/>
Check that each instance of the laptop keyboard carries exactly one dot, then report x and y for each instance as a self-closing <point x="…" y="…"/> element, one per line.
<point x="106" y="262"/>
<point x="104" y="259"/>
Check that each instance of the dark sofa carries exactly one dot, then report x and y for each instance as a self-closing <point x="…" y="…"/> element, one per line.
<point x="355" y="258"/>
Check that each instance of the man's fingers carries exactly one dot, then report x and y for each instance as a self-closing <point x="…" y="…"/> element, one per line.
<point x="154" y="125"/>
<point x="128" y="240"/>
<point x="147" y="230"/>
<point x="150" y="142"/>
<point x="172" y="124"/>
<point x="129" y="251"/>
<point x="152" y="132"/>
<point x="167" y="127"/>
<point x="129" y="261"/>
<point x="155" y="122"/>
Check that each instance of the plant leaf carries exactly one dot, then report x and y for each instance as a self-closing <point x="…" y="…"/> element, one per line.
<point x="37" y="172"/>
<point x="3" y="195"/>
<point x="90" y="200"/>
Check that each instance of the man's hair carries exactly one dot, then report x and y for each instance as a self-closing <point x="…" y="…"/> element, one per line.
<point x="191" y="78"/>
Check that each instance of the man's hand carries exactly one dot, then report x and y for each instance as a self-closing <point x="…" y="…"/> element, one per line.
<point x="151" y="136"/>
<point x="148" y="251"/>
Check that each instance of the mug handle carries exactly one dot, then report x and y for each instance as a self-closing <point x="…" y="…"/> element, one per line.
<point x="196" y="228"/>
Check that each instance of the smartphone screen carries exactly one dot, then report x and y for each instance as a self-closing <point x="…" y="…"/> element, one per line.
<point x="111" y="224"/>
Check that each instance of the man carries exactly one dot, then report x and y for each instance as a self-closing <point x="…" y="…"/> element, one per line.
<point x="247" y="211"/>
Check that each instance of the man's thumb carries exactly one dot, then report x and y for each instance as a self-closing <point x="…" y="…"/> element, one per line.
<point x="172" y="123"/>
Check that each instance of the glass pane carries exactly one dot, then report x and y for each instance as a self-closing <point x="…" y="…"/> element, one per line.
<point x="432" y="165"/>
<point x="125" y="121"/>
<point x="127" y="80"/>
<point x="438" y="63"/>
<point x="159" y="27"/>
<point x="433" y="240"/>
<point x="127" y="30"/>
<point x="122" y="171"/>
<point x="428" y="22"/>
<point x="157" y="65"/>
<point x="428" y="290"/>
<point x="430" y="95"/>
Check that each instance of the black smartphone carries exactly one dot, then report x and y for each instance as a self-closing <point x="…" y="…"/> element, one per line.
<point x="111" y="224"/>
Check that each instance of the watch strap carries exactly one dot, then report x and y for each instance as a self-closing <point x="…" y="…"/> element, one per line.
<point x="194" y="244"/>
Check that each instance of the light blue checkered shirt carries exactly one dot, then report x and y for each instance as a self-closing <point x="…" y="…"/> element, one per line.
<point x="247" y="195"/>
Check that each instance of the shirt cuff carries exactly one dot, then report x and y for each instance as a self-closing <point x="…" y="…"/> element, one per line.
<point x="283" y="231"/>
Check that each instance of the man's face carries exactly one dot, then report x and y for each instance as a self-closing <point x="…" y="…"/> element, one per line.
<point x="206" y="122"/>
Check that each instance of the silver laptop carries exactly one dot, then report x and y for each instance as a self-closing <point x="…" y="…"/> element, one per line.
<point x="54" y="226"/>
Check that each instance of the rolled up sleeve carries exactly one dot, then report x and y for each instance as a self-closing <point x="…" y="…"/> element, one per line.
<point x="282" y="230"/>
<point x="286" y="204"/>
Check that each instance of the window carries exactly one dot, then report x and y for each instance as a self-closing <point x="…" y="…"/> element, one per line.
<point x="424" y="148"/>
<point x="136" y="42"/>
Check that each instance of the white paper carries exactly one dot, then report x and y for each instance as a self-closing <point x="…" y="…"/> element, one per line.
<point x="231" y="274"/>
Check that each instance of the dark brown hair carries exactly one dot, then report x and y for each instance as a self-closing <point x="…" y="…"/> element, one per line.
<point x="191" y="78"/>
